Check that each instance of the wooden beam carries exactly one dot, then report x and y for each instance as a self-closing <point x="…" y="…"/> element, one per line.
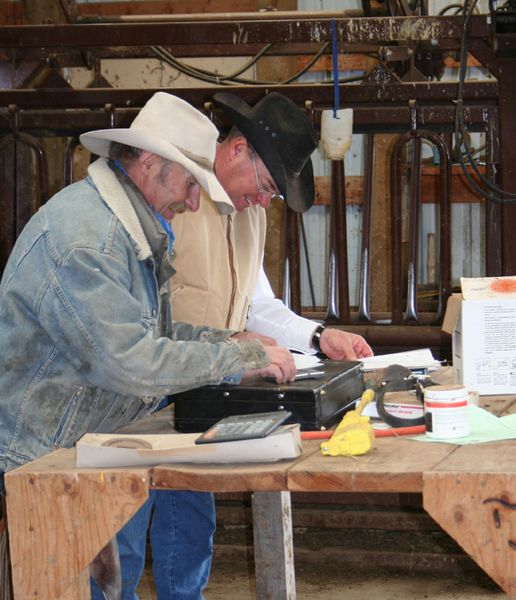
<point x="11" y="13"/>
<point x="461" y="190"/>
<point x="167" y="7"/>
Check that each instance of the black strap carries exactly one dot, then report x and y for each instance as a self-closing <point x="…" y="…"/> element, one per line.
<point x="398" y="385"/>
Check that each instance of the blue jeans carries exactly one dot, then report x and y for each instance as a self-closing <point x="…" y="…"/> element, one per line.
<point x="181" y="533"/>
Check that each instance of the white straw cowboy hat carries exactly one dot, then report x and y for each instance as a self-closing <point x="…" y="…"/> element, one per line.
<point x="175" y="130"/>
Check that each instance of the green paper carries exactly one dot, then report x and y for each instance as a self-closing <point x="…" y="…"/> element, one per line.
<point x="484" y="427"/>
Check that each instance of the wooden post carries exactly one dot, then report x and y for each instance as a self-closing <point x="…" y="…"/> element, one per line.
<point x="274" y="578"/>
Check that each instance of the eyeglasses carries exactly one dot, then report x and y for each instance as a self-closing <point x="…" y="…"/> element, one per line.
<point x="272" y="195"/>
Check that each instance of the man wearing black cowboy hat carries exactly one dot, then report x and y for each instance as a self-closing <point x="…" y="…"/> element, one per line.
<point x="220" y="281"/>
<point x="220" y="278"/>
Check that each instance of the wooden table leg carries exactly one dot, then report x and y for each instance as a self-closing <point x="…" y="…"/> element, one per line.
<point x="273" y="545"/>
<point x="59" y="521"/>
<point x="478" y="510"/>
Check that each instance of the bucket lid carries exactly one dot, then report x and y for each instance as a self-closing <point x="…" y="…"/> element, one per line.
<point x="445" y="392"/>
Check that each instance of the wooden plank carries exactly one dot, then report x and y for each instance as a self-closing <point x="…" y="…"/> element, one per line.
<point x="380" y="251"/>
<point x="461" y="191"/>
<point x="273" y="545"/>
<point x="393" y="465"/>
<point x="477" y="484"/>
<point x="60" y="517"/>
<point x="11" y="13"/>
<point x="244" y="477"/>
<point x="498" y="405"/>
<point x="221" y="478"/>
<point x="449" y="61"/>
<point x="165" y="7"/>
<point x="353" y="185"/>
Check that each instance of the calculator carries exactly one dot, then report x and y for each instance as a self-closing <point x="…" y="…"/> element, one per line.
<point x="243" y="427"/>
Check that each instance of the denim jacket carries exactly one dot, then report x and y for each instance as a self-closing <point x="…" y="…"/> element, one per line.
<point x="79" y="346"/>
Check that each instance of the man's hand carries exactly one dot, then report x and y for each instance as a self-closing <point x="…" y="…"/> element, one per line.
<point x="247" y="336"/>
<point x="343" y="345"/>
<point x="281" y="367"/>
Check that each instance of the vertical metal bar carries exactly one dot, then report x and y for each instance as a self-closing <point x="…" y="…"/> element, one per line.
<point x="7" y="198"/>
<point x="367" y="216"/>
<point x="507" y="85"/>
<point x="414" y="206"/>
<point x="444" y="276"/>
<point x="19" y="198"/>
<point x="338" y="285"/>
<point x="273" y="546"/>
<point x="307" y="260"/>
<point x="68" y="161"/>
<point x="29" y="197"/>
<point x="493" y="212"/>
<point x="291" y="280"/>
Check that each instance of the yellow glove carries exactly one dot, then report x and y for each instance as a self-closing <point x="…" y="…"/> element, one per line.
<point x="354" y="435"/>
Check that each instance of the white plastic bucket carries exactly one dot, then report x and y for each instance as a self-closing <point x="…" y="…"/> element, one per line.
<point x="446" y="411"/>
<point x="336" y="132"/>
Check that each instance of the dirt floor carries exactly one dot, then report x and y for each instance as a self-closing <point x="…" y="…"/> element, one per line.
<point x="231" y="582"/>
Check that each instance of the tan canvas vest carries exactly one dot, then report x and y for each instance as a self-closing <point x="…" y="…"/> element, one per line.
<point x="217" y="263"/>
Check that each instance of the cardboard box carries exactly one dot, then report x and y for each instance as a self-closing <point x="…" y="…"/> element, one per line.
<point x="483" y="343"/>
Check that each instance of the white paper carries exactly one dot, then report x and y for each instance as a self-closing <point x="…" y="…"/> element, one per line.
<point x="283" y="443"/>
<point x="306" y="361"/>
<point x="412" y="359"/>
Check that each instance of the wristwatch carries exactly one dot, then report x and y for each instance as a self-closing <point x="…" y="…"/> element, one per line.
<point x="316" y="338"/>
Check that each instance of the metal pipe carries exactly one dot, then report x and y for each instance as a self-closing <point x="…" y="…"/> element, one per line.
<point x="367" y="212"/>
<point x="338" y="286"/>
<point x="414" y="204"/>
<point x="68" y="161"/>
<point x="291" y="283"/>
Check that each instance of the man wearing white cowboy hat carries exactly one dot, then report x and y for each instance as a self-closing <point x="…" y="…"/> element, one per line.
<point x="86" y="339"/>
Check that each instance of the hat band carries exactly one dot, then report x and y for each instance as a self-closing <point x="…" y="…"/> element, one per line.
<point x="200" y="160"/>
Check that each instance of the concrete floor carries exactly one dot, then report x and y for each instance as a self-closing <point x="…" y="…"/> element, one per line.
<point x="233" y="582"/>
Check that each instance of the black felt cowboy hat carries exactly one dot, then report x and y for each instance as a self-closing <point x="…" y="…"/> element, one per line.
<point x="283" y="138"/>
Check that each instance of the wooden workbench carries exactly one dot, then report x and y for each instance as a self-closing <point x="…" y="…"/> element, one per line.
<point x="60" y="517"/>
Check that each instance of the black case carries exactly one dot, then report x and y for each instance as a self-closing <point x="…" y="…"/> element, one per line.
<point x="314" y="403"/>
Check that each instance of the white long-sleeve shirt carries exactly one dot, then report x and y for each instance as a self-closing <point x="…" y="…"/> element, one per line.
<point x="269" y="316"/>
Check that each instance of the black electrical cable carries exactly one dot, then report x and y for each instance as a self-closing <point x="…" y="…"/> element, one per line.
<point x="219" y="78"/>
<point x="443" y="11"/>
<point x="211" y="77"/>
<point x="503" y="196"/>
